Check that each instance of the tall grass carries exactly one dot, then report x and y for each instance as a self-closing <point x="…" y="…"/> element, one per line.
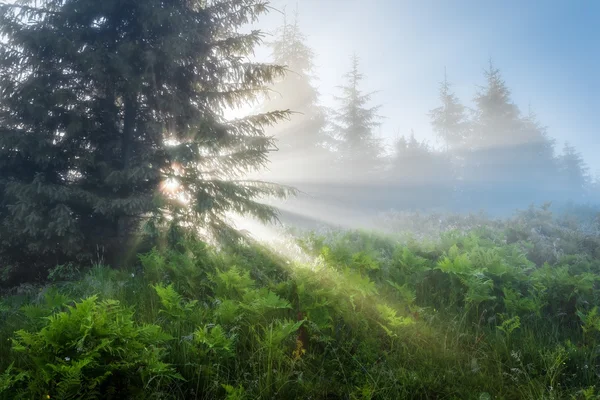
<point x="475" y="314"/>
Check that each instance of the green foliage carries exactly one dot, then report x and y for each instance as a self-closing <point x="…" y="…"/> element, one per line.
<point x="214" y="341"/>
<point x="93" y="350"/>
<point x="509" y="325"/>
<point x="67" y="272"/>
<point x="234" y="393"/>
<point x="467" y="315"/>
<point x="590" y="325"/>
<point x="232" y="281"/>
<point x="94" y="127"/>
<point x="173" y="303"/>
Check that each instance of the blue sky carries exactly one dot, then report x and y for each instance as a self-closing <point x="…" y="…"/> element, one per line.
<point x="548" y="53"/>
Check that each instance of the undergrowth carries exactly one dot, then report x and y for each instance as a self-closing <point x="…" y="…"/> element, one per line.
<point x="498" y="311"/>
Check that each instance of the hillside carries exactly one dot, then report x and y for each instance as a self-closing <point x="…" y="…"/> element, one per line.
<point x="485" y="310"/>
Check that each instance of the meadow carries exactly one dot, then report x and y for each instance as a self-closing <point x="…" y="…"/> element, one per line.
<point x="464" y="307"/>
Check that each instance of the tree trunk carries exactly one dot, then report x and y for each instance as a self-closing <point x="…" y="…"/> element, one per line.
<point x="124" y="221"/>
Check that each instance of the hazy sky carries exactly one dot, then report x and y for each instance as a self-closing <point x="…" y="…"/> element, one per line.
<point x="548" y="52"/>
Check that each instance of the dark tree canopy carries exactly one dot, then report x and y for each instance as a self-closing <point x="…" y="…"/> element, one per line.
<point x="105" y="101"/>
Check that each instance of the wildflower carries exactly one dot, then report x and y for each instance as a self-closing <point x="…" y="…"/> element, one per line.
<point x="132" y="275"/>
<point x="67" y="358"/>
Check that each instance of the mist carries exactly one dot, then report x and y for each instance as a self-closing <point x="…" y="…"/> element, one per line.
<point x="400" y="107"/>
<point x="313" y="199"/>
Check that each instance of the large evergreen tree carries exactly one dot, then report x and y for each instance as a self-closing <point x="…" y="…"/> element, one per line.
<point x="105" y="101"/>
<point x="355" y="121"/>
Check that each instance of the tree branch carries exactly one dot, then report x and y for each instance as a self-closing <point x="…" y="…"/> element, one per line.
<point x="29" y="8"/>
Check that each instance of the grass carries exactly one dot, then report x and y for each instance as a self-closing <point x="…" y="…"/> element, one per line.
<point x="482" y="311"/>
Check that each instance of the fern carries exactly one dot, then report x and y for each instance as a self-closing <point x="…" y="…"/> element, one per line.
<point x="234" y="393"/>
<point x="87" y="350"/>
<point x="263" y="301"/>
<point x="232" y="282"/>
<point x="173" y="303"/>
<point x="228" y="311"/>
<point x="508" y="326"/>
<point x="590" y="324"/>
<point x="214" y="340"/>
<point x="391" y="319"/>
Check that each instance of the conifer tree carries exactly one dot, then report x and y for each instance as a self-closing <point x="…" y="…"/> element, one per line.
<point x="451" y="124"/>
<point x="301" y="140"/>
<point x="421" y="175"/>
<point x="507" y="151"/>
<point x="359" y="150"/>
<point x="106" y="104"/>
<point x="538" y="164"/>
<point x="296" y="91"/>
<point x="574" y="174"/>
<point x="496" y="127"/>
<point x="449" y="120"/>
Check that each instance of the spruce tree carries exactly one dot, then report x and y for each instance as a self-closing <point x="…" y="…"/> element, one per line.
<point x="452" y="126"/>
<point x="496" y="129"/>
<point x="106" y="104"/>
<point x="449" y="120"/>
<point x="296" y="92"/>
<point x="538" y="163"/>
<point x="358" y="149"/>
<point x="421" y="176"/>
<point x="301" y="140"/>
<point x="574" y="174"/>
<point x="507" y="151"/>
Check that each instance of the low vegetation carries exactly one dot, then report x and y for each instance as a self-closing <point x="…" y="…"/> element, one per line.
<point x="504" y="310"/>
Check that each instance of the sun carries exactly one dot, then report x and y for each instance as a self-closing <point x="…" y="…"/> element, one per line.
<point x="170" y="186"/>
<point x="241" y="111"/>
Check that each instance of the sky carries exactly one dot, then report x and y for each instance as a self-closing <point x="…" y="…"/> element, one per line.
<point x="548" y="53"/>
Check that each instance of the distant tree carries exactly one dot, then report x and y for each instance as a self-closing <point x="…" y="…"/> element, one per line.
<point x="449" y="120"/>
<point x="451" y="124"/>
<point x="594" y="189"/>
<point x="574" y="176"/>
<point x="538" y="165"/>
<point x="358" y="149"/>
<point x="412" y="160"/>
<point x="496" y="128"/>
<point x="302" y="139"/>
<point x="296" y="92"/>
<point x="109" y="107"/>
<point x="510" y="157"/>
<point x="421" y="176"/>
